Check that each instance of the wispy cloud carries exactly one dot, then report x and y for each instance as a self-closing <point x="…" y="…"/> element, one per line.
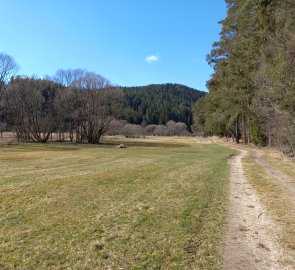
<point x="151" y="58"/>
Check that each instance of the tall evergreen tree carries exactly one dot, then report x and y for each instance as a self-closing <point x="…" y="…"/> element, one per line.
<point x="252" y="90"/>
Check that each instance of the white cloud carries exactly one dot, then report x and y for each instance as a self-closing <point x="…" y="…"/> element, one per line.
<point x="151" y="58"/>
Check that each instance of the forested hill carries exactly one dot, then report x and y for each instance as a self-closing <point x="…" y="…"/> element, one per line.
<point x="159" y="103"/>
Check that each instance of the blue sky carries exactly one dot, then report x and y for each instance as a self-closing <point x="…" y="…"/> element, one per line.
<point x="130" y="42"/>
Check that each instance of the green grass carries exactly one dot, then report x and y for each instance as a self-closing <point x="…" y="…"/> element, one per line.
<point x="158" y="204"/>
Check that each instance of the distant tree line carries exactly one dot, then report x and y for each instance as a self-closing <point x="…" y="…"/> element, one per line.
<point x="171" y="128"/>
<point x="84" y="106"/>
<point x="159" y="103"/>
<point x="252" y="91"/>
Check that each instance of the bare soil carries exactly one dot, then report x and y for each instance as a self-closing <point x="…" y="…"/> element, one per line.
<point x="249" y="240"/>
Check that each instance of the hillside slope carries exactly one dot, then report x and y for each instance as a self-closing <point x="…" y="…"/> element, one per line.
<point x="159" y="103"/>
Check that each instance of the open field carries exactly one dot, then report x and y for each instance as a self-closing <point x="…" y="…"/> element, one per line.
<point x="158" y="204"/>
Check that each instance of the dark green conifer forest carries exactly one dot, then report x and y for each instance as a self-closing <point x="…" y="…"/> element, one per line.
<point x="252" y="90"/>
<point x="159" y="103"/>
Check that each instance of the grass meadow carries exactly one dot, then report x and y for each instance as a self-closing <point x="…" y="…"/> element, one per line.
<point x="158" y="204"/>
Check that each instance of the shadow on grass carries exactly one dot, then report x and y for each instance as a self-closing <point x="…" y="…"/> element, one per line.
<point x="73" y="146"/>
<point x="141" y="144"/>
<point x="47" y="147"/>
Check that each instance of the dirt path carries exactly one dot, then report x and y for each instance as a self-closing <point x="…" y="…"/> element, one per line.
<point x="248" y="242"/>
<point x="285" y="181"/>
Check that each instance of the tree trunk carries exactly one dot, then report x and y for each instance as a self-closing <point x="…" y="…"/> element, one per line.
<point x="245" y="137"/>
<point x="269" y="139"/>
<point x="237" y="130"/>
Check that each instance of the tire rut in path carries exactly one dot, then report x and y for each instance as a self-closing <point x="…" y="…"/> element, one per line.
<point x="285" y="181"/>
<point x="248" y="241"/>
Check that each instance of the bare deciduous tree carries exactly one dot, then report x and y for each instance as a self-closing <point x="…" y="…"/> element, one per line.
<point x="80" y="79"/>
<point x="31" y="104"/>
<point x="68" y="77"/>
<point x="98" y="112"/>
<point x="132" y="131"/>
<point x="91" y="104"/>
<point x="176" y="129"/>
<point x="150" y="129"/>
<point x="161" y="130"/>
<point x="115" y="127"/>
<point x="8" y="68"/>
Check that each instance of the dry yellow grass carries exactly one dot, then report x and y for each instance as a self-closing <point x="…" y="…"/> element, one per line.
<point x="280" y="161"/>
<point x="277" y="203"/>
<point x="159" y="204"/>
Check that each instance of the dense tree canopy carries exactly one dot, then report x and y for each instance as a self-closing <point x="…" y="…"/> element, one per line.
<point x="159" y="103"/>
<point x="252" y="91"/>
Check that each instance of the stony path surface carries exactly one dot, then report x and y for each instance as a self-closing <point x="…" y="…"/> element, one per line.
<point x="249" y="241"/>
